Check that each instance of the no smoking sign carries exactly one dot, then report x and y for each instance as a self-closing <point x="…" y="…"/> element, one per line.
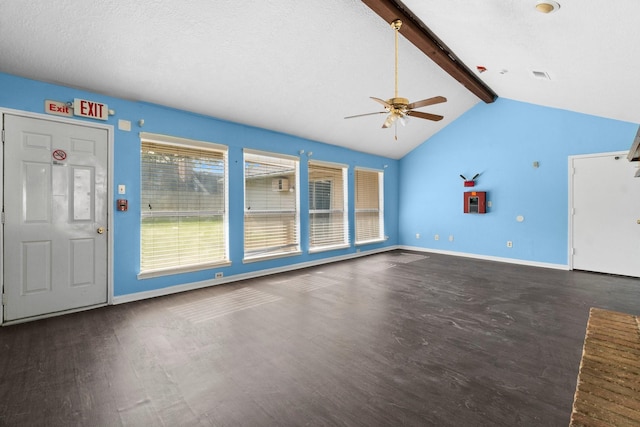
<point x="59" y="155"/>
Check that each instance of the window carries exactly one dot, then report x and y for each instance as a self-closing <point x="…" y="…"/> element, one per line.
<point x="328" y="223"/>
<point x="369" y="206"/>
<point x="271" y="219"/>
<point x="183" y="224"/>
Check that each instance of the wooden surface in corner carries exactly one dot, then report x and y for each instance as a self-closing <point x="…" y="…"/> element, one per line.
<point x="608" y="389"/>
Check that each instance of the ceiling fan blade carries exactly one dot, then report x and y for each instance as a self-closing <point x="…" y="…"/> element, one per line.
<point x="425" y="102"/>
<point x="381" y="101"/>
<point x="366" y="114"/>
<point x="390" y="119"/>
<point x="420" y="114"/>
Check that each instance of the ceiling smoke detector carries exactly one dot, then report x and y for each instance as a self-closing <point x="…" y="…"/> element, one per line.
<point x="547" y="6"/>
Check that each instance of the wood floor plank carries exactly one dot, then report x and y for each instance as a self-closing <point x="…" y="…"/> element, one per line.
<point x="397" y="338"/>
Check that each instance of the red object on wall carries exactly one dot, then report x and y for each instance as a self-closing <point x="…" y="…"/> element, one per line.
<point x="123" y="205"/>
<point x="475" y="202"/>
<point x="469" y="183"/>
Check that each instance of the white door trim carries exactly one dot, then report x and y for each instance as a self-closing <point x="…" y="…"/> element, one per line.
<point x="571" y="195"/>
<point x="110" y="169"/>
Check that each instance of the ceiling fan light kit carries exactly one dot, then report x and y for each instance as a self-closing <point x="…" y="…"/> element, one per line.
<point x="399" y="108"/>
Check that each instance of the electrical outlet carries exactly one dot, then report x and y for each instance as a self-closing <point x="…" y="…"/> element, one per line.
<point x="451" y="237"/>
<point x="417" y="235"/>
<point x="509" y="244"/>
<point x="219" y="275"/>
<point x="436" y="237"/>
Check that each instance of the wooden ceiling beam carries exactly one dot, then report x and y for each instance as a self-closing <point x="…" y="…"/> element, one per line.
<point x="424" y="39"/>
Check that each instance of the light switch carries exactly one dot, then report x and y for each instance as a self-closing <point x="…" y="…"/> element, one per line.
<point x="122" y="189"/>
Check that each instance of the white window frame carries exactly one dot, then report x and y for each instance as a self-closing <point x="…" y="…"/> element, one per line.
<point x="178" y="142"/>
<point x="294" y="187"/>
<point x="380" y="210"/>
<point x="345" y="210"/>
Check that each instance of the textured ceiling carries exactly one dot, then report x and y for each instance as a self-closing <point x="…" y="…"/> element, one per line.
<point x="301" y="67"/>
<point x="590" y="49"/>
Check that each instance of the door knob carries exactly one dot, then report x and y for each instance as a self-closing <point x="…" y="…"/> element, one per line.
<point x="100" y="230"/>
<point x="638" y="221"/>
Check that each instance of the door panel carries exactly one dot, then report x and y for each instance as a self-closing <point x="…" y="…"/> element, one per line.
<point x="82" y="255"/>
<point x="55" y="201"/>
<point x="35" y="188"/>
<point x="606" y="201"/>
<point x="36" y="259"/>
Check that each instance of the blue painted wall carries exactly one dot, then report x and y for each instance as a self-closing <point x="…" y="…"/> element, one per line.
<point x="28" y="95"/>
<point x="501" y="141"/>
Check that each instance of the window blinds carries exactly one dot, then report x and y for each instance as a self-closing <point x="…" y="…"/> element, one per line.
<point x="369" y="206"/>
<point x="183" y="206"/>
<point x="271" y="219"/>
<point x="328" y="223"/>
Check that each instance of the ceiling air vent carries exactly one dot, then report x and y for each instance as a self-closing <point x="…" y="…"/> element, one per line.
<point x="541" y="75"/>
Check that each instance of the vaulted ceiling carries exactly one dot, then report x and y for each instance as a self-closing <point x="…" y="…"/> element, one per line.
<point x="301" y="67"/>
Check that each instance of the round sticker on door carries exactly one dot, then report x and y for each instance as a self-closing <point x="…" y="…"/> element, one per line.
<point x="59" y="155"/>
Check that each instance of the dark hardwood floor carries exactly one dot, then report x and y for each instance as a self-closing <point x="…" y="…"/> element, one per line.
<point x="392" y="339"/>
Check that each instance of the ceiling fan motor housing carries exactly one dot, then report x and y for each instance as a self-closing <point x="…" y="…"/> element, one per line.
<point x="398" y="105"/>
<point x="398" y="101"/>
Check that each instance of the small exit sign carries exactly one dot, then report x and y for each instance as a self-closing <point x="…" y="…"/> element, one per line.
<point x="57" y="107"/>
<point x="91" y="109"/>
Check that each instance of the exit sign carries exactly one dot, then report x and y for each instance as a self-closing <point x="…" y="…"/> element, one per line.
<point x="93" y="110"/>
<point x="57" y="107"/>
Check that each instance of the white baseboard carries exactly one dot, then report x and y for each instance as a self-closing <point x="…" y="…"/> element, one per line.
<point x="120" y="299"/>
<point x="488" y="257"/>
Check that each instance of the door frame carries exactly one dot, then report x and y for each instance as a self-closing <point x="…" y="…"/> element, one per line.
<point x="110" y="141"/>
<point x="622" y="154"/>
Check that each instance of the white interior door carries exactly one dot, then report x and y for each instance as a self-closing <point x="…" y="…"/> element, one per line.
<point x="55" y="201"/>
<point x="606" y="215"/>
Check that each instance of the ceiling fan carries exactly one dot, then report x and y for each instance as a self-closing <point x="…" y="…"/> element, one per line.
<point x="399" y="108"/>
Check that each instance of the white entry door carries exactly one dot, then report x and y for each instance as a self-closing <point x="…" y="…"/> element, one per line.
<point x="55" y="201"/>
<point x="606" y="216"/>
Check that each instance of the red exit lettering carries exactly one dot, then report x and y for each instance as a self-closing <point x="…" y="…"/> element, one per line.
<point x="58" y="108"/>
<point x="95" y="110"/>
<point x="91" y="109"/>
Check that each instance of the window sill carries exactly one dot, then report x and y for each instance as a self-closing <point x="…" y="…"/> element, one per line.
<point x="269" y="257"/>
<point x="368" y="242"/>
<point x="179" y="270"/>
<point x="328" y="248"/>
